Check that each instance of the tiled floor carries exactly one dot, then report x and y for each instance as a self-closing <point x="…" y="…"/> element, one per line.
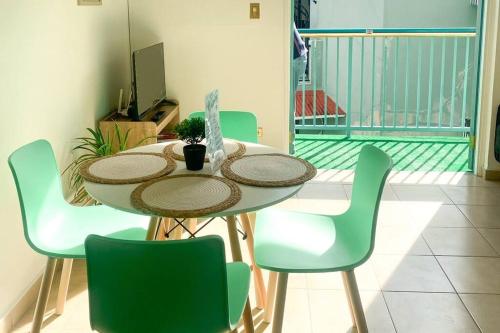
<point x="435" y="267"/>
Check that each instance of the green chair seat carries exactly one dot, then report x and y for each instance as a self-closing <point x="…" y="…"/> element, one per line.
<point x="63" y="235"/>
<point x="304" y="243"/>
<point x="182" y="286"/>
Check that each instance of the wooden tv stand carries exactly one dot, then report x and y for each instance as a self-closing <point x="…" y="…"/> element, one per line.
<point x="144" y="128"/>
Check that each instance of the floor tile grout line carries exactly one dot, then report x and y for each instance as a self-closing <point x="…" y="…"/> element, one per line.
<point x="453" y="286"/>
<point x="309" y="306"/>
<point x="458" y="295"/>
<point x="454" y="255"/>
<point x="488" y="242"/>
<point x="427" y="243"/>
<point x="463" y="215"/>
<point x="389" y="311"/>
<point x="480" y="233"/>
<point x="470" y="314"/>
<point x="446" y="194"/>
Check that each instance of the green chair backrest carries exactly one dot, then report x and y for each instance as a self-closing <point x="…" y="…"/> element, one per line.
<point x="372" y="170"/>
<point x="39" y="189"/>
<point x="238" y="125"/>
<point x="157" y="287"/>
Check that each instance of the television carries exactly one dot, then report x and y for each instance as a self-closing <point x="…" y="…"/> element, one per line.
<point x="149" y="79"/>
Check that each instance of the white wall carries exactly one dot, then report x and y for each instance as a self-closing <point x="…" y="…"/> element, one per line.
<point x="347" y="14"/>
<point x="214" y="44"/>
<point x="429" y="13"/>
<point x="60" y="64"/>
<point x="490" y="90"/>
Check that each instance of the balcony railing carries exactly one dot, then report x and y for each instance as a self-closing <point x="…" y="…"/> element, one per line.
<point x="417" y="80"/>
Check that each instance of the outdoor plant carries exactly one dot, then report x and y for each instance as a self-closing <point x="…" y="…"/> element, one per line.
<point x="191" y="131"/>
<point x="88" y="148"/>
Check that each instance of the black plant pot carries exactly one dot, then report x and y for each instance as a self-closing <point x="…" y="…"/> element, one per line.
<point x="195" y="156"/>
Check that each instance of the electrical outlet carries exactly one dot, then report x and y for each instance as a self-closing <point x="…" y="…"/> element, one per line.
<point x="89" y="2"/>
<point x="254" y="11"/>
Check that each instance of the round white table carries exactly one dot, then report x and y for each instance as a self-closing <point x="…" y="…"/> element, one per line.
<point x="252" y="199"/>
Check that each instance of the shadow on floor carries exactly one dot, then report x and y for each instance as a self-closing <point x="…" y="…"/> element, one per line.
<point x="408" y="153"/>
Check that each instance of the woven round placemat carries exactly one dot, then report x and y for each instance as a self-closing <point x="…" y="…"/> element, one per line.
<point x="127" y="168"/>
<point x="186" y="195"/>
<point x="268" y="170"/>
<point x="233" y="149"/>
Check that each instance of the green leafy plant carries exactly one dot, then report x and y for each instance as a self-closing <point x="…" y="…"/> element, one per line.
<point x="191" y="131"/>
<point x="91" y="147"/>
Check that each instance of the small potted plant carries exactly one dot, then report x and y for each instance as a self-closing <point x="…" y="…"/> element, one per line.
<point x="192" y="132"/>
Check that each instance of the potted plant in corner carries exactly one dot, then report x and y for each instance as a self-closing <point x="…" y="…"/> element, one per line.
<point x="192" y="132"/>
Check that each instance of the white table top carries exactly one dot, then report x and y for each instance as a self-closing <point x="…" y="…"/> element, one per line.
<point x="252" y="198"/>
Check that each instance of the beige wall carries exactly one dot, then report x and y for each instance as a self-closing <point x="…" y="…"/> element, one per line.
<point x="493" y="164"/>
<point x="213" y="44"/>
<point x="59" y="66"/>
<point x="490" y="94"/>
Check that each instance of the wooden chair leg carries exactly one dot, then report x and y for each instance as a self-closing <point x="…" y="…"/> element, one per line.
<point x="271" y="296"/>
<point x="355" y="301"/>
<point x="154" y="224"/>
<point x="348" y="296"/>
<point x="160" y="234"/>
<point x="64" y="286"/>
<point x="43" y="295"/>
<point x="279" y="307"/>
<point x="236" y="254"/>
<point x="260" y="288"/>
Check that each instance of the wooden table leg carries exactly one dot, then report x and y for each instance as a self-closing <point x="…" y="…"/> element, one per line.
<point x="236" y="253"/>
<point x="253" y="217"/>
<point x="160" y="233"/>
<point x="165" y="226"/>
<point x="192" y="225"/>
<point x="177" y="232"/>
<point x="154" y="223"/>
<point x="260" y="288"/>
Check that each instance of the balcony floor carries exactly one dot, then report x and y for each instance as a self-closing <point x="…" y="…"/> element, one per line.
<point x="409" y="153"/>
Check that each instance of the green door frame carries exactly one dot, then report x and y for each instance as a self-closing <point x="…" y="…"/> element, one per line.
<point x="291" y="111"/>
<point x="478" y="53"/>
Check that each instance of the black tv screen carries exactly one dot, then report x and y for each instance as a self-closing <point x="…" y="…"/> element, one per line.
<point x="149" y="78"/>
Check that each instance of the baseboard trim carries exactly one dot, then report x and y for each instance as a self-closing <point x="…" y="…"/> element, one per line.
<point x="492" y="174"/>
<point x="17" y="312"/>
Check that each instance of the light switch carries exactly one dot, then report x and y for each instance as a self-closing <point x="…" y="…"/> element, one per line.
<point x="255" y="11"/>
<point x="89" y="2"/>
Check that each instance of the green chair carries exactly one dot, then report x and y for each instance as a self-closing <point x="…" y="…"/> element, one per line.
<point x="238" y="125"/>
<point x="182" y="286"/>
<point x="292" y="242"/>
<point x="55" y="228"/>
